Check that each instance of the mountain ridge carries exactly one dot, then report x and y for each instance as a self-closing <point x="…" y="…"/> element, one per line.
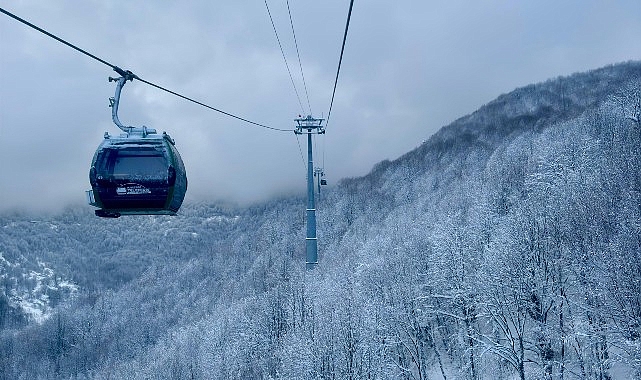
<point x="475" y="124"/>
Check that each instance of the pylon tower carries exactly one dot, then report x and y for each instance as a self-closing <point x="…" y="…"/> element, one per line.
<point x="310" y="126"/>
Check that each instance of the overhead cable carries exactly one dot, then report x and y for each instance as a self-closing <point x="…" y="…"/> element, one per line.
<point x="285" y="59"/>
<point x="57" y="38"/>
<point x="340" y="60"/>
<point x="291" y="22"/>
<point x="301" y="153"/>
<point x="129" y="73"/>
<point x="212" y="108"/>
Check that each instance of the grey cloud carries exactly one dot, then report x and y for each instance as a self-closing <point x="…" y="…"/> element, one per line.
<point x="410" y="67"/>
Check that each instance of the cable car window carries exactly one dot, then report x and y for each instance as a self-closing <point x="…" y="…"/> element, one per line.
<point x="134" y="163"/>
<point x="139" y="162"/>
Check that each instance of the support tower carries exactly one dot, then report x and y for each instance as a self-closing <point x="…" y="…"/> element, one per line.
<point x="310" y="126"/>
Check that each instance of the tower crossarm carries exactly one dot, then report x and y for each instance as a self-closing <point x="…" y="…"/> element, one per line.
<point x="309" y="125"/>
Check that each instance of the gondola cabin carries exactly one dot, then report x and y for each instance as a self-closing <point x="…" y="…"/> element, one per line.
<point x="138" y="173"/>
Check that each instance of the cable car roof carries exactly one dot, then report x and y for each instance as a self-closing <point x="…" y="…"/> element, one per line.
<point x="135" y="137"/>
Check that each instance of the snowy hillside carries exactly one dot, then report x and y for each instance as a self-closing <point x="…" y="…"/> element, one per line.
<point x="507" y="246"/>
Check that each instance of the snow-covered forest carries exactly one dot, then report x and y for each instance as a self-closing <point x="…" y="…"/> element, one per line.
<point x="507" y="246"/>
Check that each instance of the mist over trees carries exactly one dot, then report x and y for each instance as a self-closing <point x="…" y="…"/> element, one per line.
<point x="506" y="246"/>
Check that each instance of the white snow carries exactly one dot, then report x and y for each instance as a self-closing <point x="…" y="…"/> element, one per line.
<point x="33" y="299"/>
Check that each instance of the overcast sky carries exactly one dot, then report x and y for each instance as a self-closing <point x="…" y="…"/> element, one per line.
<point x="410" y="67"/>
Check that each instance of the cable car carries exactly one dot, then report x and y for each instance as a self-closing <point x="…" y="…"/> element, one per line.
<point x="139" y="172"/>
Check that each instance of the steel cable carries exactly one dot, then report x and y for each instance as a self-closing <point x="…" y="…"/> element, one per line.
<point x="124" y="73"/>
<point x="285" y="59"/>
<point x="340" y="60"/>
<point x="291" y="22"/>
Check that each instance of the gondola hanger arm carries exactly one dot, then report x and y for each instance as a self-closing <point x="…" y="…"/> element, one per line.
<point x="115" y="101"/>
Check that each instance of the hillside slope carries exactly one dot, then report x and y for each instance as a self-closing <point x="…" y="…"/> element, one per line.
<point x="506" y="246"/>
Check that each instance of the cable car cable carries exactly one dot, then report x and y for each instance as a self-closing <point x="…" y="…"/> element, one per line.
<point x="285" y="59"/>
<point x="301" y="153"/>
<point x="212" y="108"/>
<point x="132" y="75"/>
<point x="57" y="38"/>
<point x="340" y="60"/>
<point x="323" y="161"/>
<point x="299" y="62"/>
